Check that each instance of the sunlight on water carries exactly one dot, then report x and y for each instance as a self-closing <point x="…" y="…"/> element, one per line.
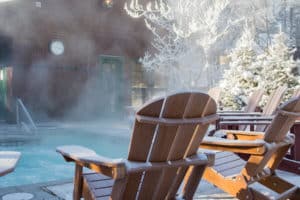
<point x="40" y="162"/>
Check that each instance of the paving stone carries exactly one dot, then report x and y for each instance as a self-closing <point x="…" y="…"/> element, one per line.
<point x="62" y="190"/>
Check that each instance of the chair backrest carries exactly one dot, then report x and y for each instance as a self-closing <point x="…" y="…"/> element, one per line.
<point x="272" y="104"/>
<point x="159" y="142"/>
<point x="215" y="93"/>
<point x="276" y="136"/>
<point x="274" y="100"/>
<point x="283" y="120"/>
<point x="253" y="100"/>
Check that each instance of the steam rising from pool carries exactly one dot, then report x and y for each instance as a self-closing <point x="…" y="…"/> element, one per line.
<point x="33" y="24"/>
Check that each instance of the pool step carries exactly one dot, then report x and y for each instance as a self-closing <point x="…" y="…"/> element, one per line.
<point x="13" y="135"/>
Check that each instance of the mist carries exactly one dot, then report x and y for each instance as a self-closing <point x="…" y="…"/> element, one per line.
<point x="68" y="85"/>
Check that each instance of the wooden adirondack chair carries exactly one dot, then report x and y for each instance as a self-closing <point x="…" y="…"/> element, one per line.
<point x="166" y="136"/>
<point x="266" y="150"/>
<point x="250" y="108"/>
<point x="260" y="122"/>
<point x="8" y="161"/>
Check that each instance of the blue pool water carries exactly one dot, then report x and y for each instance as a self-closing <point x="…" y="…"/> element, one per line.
<point x="41" y="163"/>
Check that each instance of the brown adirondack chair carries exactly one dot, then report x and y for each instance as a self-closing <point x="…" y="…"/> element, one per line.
<point x="250" y="108"/>
<point x="291" y="162"/>
<point x="240" y="177"/>
<point x="165" y="139"/>
<point x="261" y="121"/>
<point x="8" y="161"/>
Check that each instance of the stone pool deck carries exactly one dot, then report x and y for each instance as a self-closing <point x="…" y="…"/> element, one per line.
<point x="62" y="190"/>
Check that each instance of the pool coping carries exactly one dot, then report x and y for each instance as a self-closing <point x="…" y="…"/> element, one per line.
<point x="205" y="190"/>
<point x="39" y="190"/>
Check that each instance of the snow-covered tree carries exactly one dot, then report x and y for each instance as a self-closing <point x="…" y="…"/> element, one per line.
<point x="251" y="69"/>
<point x="242" y="77"/>
<point x="278" y="67"/>
<point x="189" y="35"/>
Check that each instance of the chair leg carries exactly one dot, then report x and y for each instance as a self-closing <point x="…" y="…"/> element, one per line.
<point x="192" y="180"/>
<point x="78" y="183"/>
<point x="296" y="195"/>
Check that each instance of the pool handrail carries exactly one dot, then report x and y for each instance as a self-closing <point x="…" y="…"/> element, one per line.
<point x="20" y="104"/>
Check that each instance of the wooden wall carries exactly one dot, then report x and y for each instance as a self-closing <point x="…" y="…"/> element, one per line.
<point x="51" y="83"/>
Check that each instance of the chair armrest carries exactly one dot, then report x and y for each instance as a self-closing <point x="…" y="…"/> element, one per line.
<point x="85" y="157"/>
<point x="243" y="135"/>
<point x="244" y="122"/>
<point x="246" y="118"/>
<point x="238" y="113"/>
<point x="195" y="160"/>
<point x="254" y="147"/>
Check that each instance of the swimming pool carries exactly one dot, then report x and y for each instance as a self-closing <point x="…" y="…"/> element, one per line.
<point x="41" y="163"/>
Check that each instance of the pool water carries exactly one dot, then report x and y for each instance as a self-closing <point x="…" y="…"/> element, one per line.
<point x="41" y="163"/>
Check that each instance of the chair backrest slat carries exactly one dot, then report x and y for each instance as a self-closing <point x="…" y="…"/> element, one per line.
<point x="140" y="145"/>
<point x="274" y="100"/>
<point x="254" y="100"/>
<point x="271" y="106"/>
<point x="143" y="133"/>
<point x="169" y="142"/>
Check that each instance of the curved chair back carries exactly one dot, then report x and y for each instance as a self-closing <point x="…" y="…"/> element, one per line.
<point x="274" y="100"/>
<point x="167" y="129"/>
<point x="254" y="100"/>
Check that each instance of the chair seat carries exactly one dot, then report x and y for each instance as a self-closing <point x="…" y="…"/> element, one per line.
<point x="228" y="163"/>
<point x="99" y="186"/>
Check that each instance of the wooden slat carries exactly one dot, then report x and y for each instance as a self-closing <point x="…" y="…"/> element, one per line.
<point x="140" y="144"/>
<point x="144" y="132"/>
<point x="95" y="177"/>
<point x="234" y="171"/>
<point x="102" y="192"/>
<point x="174" y="108"/>
<point x="229" y="165"/>
<point x="224" y="160"/>
<point x="177" y="122"/>
<point x="274" y="100"/>
<point x="102" y="184"/>
<point x="186" y="141"/>
<point x="253" y="100"/>
<point x="98" y="185"/>
<point x="103" y="198"/>
<point x="132" y="185"/>
<point x="222" y="154"/>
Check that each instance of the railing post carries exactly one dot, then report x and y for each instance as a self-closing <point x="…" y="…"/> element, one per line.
<point x="17" y="113"/>
<point x="20" y="103"/>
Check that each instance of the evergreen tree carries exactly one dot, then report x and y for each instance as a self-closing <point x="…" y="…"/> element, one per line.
<point x="242" y="77"/>
<point x="278" y="67"/>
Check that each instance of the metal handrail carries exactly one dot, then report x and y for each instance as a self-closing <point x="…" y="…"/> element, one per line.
<point x="19" y="104"/>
